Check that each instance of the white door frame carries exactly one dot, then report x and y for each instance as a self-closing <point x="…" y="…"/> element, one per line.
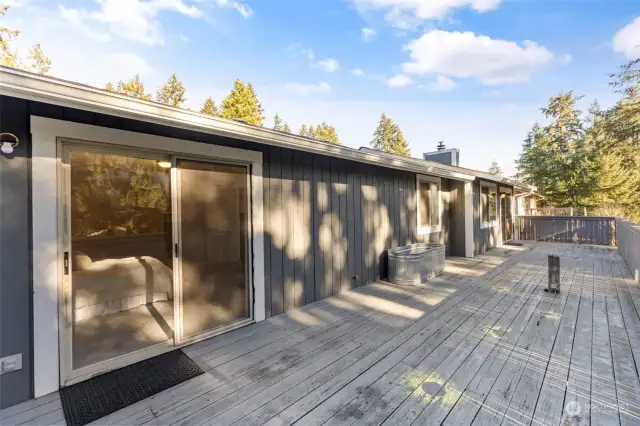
<point x="47" y="249"/>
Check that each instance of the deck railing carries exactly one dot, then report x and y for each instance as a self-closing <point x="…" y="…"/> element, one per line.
<point x="555" y="211"/>
<point x="628" y="236"/>
<point x="567" y="229"/>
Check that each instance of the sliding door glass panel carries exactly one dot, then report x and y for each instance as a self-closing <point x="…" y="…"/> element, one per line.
<point x="121" y="255"/>
<point x="213" y="227"/>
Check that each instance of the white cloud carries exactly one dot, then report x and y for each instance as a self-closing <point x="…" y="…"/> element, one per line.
<point x="127" y="64"/>
<point x="368" y="33"/>
<point x="357" y="72"/>
<point x="308" y="89"/>
<point x="74" y="18"/>
<point x="443" y="83"/>
<point x="296" y="50"/>
<point x="565" y="59"/>
<point x="136" y="20"/>
<point x="183" y="38"/>
<point x="399" y="80"/>
<point x="467" y="55"/>
<point x="327" y="65"/>
<point x="242" y="9"/>
<point x="406" y="14"/>
<point x="627" y="40"/>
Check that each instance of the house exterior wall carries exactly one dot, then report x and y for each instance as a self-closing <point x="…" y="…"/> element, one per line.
<point x="327" y="224"/>
<point x="15" y="256"/>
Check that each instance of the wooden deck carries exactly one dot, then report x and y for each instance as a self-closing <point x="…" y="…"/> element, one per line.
<point x="482" y="345"/>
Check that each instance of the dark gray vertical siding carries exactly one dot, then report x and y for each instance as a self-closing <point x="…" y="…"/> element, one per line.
<point x="15" y="255"/>
<point x="276" y="220"/>
<point x="456" y="218"/>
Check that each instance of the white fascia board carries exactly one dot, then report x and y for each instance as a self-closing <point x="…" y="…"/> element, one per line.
<point x="25" y="85"/>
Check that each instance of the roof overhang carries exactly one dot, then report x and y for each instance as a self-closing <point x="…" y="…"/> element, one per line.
<point x="26" y="85"/>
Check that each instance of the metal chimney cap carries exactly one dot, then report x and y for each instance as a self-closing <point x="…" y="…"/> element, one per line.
<point x="441" y="146"/>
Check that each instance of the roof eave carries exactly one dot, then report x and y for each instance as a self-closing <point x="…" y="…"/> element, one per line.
<point x="38" y="88"/>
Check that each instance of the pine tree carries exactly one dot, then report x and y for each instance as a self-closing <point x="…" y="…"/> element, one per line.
<point x="210" y="107"/>
<point x="389" y="138"/>
<point x="311" y="132"/>
<point x="286" y="128"/>
<point x="559" y="157"/>
<point x="495" y="168"/>
<point x="327" y="133"/>
<point x="40" y="63"/>
<point x="133" y="88"/>
<point x="277" y="123"/>
<point x="172" y="93"/>
<point x="242" y="104"/>
<point x="303" y="130"/>
<point x="9" y="57"/>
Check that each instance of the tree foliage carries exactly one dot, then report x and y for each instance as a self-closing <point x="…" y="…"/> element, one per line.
<point x="327" y="133"/>
<point x="323" y="132"/>
<point x="9" y="57"/>
<point x="172" y="93"/>
<point x="39" y="62"/>
<point x="495" y="168"/>
<point x="133" y="87"/>
<point x="389" y="138"/>
<point x="209" y="107"/>
<point x="589" y="160"/>
<point x="280" y="125"/>
<point x="242" y="104"/>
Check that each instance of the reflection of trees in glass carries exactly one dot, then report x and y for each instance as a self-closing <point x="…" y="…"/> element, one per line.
<point x="114" y="195"/>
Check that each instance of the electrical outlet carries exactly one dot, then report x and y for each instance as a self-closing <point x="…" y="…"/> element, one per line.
<point x="10" y="363"/>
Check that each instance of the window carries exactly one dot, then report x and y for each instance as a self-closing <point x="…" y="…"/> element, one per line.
<point x="488" y="204"/>
<point x="429" y="204"/>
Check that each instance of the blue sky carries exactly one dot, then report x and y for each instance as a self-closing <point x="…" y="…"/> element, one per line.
<point x="472" y="73"/>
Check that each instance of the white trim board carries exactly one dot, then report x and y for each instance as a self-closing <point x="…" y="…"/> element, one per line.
<point x="49" y="90"/>
<point x="469" y="247"/>
<point x="46" y="266"/>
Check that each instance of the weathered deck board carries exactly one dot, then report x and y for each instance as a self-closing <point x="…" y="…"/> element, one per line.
<point x="501" y="350"/>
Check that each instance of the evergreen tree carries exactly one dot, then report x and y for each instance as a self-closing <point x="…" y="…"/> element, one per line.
<point x="389" y="138"/>
<point x="495" y="168"/>
<point x="558" y="158"/>
<point x="277" y="123"/>
<point x="210" y="107"/>
<point x="327" y="133"/>
<point x="303" y="130"/>
<point x="172" y="93"/>
<point x="242" y="104"/>
<point x="39" y="62"/>
<point x="133" y="88"/>
<point x="286" y="128"/>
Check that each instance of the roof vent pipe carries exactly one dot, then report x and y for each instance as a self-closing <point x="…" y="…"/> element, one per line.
<point x="441" y="146"/>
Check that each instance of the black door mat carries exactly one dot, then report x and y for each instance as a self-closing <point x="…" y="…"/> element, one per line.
<point x="90" y="400"/>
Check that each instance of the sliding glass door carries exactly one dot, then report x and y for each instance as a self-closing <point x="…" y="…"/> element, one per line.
<point x="155" y="254"/>
<point x="213" y="224"/>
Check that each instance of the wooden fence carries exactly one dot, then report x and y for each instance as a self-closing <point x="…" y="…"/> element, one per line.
<point x="567" y="229"/>
<point x="628" y="236"/>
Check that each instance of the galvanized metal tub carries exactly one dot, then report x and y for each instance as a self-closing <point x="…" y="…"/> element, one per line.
<point x="415" y="263"/>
